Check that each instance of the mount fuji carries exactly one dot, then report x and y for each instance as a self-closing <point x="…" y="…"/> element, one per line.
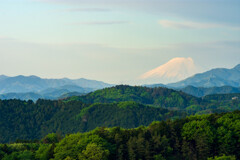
<point x="174" y="70"/>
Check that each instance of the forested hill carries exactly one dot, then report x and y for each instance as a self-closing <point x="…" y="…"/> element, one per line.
<point x="201" y="91"/>
<point x="206" y="137"/>
<point x="162" y="97"/>
<point x="123" y="106"/>
<point x="222" y="97"/>
<point x="28" y="120"/>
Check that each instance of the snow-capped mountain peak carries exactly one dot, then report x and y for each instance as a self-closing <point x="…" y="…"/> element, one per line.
<point x="174" y="70"/>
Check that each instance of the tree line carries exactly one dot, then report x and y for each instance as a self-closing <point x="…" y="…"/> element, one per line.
<point x="200" y="137"/>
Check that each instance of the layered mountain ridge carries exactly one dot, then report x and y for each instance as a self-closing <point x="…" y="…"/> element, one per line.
<point x="33" y="87"/>
<point x="214" y="78"/>
<point x="21" y="84"/>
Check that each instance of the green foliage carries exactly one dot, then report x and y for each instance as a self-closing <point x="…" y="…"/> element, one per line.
<point x="25" y="155"/>
<point x="128" y="104"/>
<point x="74" y="144"/>
<point x="68" y="147"/>
<point x="191" y="138"/>
<point x="44" y="152"/>
<point x="222" y="97"/>
<point x="193" y="109"/>
<point x="94" y="152"/>
<point x="159" y="157"/>
<point x="28" y="120"/>
<point x="198" y="136"/>
<point x="51" y="138"/>
<point x="123" y="106"/>
<point x="35" y="120"/>
<point x="223" y="158"/>
<point x="133" y="108"/>
<point x="228" y="133"/>
<point x="156" y="96"/>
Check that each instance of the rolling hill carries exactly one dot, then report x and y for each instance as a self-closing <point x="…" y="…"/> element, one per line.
<point x="162" y="97"/>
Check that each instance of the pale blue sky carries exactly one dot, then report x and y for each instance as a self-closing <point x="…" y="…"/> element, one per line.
<point x="115" y="40"/>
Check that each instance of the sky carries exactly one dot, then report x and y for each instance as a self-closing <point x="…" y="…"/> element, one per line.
<point x="115" y="41"/>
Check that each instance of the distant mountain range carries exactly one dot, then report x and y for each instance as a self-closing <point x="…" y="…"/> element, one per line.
<point x="50" y="93"/>
<point x="214" y="78"/>
<point x="215" y="81"/>
<point x="23" y="84"/>
<point x="33" y="87"/>
<point x="201" y="91"/>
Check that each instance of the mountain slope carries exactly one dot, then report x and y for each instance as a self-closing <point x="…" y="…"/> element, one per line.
<point x="214" y="78"/>
<point x="174" y="70"/>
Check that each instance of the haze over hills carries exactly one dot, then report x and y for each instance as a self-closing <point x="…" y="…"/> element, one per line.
<point x="50" y="93"/>
<point x="3" y="77"/>
<point x="174" y="70"/>
<point x="23" y="84"/>
<point x="33" y="87"/>
<point x="214" y="78"/>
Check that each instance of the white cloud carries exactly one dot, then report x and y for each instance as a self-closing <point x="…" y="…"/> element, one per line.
<point x="186" y="25"/>
<point x="102" y="23"/>
<point x="217" y="13"/>
<point x="192" y="25"/>
<point x="87" y="10"/>
<point x="4" y="38"/>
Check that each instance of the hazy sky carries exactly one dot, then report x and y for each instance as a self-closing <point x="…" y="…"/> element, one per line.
<point x="115" y="40"/>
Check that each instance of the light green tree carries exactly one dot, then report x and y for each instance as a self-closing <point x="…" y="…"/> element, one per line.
<point x="224" y="157"/>
<point x="94" y="152"/>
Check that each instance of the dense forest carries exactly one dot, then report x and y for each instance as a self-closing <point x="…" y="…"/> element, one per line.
<point x="29" y="120"/>
<point x="200" y="137"/>
<point x="162" y="97"/>
<point x="77" y="127"/>
<point x="134" y="106"/>
<point x="201" y="91"/>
